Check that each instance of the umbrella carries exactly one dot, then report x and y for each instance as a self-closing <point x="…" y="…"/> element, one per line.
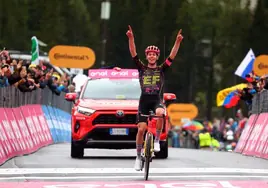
<point x="193" y="126"/>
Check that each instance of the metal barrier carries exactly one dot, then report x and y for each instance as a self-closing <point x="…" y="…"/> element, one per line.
<point x="260" y="103"/>
<point x="253" y="140"/>
<point x="11" y="97"/>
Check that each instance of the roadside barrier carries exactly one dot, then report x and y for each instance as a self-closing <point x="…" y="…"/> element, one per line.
<point x="32" y="120"/>
<point x="254" y="138"/>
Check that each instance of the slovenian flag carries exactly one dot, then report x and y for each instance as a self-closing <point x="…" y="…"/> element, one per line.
<point x="246" y="66"/>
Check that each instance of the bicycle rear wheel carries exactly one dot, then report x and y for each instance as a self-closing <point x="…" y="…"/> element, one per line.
<point x="148" y="154"/>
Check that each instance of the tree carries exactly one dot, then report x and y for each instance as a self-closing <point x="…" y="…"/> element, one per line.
<point x="258" y="32"/>
<point x="13" y="28"/>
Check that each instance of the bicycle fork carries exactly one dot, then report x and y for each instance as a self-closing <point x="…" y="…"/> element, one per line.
<point x="144" y="153"/>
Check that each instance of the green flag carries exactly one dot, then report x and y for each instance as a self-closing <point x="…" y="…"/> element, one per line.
<point x="35" y="51"/>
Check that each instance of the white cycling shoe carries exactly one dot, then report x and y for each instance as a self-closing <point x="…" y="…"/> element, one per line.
<point x="138" y="164"/>
<point x="156" y="146"/>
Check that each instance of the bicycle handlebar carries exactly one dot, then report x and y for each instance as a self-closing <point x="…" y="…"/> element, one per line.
<point x="152" y="116"/>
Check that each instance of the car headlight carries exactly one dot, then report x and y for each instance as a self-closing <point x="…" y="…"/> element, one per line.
<point x="85" y="111"/>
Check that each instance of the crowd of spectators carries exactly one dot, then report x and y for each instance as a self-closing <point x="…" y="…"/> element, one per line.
<point x="225" y="131"/>
<point x="255" y="84"/>
<point x="28" y="77"/>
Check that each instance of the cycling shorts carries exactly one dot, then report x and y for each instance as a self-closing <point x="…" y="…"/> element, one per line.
<point x="146" y="104"/>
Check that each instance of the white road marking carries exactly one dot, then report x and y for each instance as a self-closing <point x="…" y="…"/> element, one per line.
<point x="130" y="177"/>
<point x="14" y="171"/>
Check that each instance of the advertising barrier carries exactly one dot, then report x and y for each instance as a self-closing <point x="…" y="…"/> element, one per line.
<point x="113" y="73"/>
<point x="27" y="126"/>
<point x="254" y="138"/>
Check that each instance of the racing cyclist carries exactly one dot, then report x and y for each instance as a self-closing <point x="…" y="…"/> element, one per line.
<point x="151" y="77"/>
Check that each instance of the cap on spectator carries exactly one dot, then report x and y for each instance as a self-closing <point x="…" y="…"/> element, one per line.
<point x="32" y="66"/>
<point x="55" y="74"/>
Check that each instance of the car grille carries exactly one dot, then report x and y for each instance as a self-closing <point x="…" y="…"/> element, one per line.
<point x="112" y="119"/>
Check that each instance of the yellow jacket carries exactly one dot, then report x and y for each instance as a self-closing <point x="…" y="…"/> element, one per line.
<point x="205" y="140"/>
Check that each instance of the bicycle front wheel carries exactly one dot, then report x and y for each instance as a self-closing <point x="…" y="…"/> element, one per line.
<point x="148" y="155"/>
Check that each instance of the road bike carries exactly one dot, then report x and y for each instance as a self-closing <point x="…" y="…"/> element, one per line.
<point x="148" y="147"/>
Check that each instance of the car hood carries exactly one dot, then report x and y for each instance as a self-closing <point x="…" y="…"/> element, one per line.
<point x="109" y="104"/>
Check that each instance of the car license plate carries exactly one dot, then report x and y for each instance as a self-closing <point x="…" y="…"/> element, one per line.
<point x="118" y="131"/>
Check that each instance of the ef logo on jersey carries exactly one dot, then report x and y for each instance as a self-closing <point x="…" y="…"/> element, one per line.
<point x="151" y="80"/>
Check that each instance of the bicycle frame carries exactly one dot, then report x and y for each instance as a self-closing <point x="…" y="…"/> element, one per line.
<point x="149" y="138"/>
<point x="149" y="120"/>
<point x="149" y="128"/>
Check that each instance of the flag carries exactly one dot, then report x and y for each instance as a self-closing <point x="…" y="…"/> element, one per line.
<point x="221" y="95"/>
<point x="231" y="100"/>
<point x="35" y="51"/>
<point x="246" y="66"/>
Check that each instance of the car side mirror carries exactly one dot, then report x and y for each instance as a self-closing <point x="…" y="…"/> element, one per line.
<point x="70" y="97"/>
<point x="169" y="98"/>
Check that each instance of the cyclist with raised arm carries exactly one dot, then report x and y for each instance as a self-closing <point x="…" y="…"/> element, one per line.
<point x="151" y="78"/>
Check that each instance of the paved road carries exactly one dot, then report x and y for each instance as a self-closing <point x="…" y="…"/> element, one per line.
<point x="109" y="168"/>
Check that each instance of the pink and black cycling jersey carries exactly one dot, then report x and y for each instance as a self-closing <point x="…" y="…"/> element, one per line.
<point x="152" y="79"/>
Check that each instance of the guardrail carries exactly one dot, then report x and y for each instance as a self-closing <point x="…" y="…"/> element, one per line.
<point x="31" y="120"/>
<point x="254" y="138"/>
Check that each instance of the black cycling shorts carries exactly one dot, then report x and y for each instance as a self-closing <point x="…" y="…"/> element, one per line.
<point x="146" y="104"/>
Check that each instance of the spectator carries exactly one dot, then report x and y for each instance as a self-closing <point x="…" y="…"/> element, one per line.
<point x="233" y="124"/>
<point x="3" y="77"/>
<point x="71" y="88"/>
<point x="175" y="136"/>
<point x="28" y="77"/>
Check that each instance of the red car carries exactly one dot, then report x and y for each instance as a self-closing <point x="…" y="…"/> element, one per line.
<point x="104" y="113"/>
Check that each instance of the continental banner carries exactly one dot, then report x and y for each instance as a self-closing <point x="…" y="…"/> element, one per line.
<point x="260" y="65"/>
<point x="72" y="57"/>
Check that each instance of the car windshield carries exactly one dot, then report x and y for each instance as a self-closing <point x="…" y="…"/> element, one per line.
<point x="120" y="89"/>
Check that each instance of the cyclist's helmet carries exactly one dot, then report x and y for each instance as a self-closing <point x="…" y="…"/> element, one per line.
<point x="152" y="49"/>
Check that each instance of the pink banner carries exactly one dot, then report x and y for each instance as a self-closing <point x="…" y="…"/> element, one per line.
<point x="3" y="156"/>
<point x="265" y="150"/>
<point x="11" y="134"/>
<point x="16" y="131"/>
<point x="31" y="127"/>
<point x="37" y="126"/>
<point x="254" y="137"/>
<point x="24" y="129"/>
<point x="43" y="124"/>
<point x="5" y="143"/>
<point x="112" y="73"/>
<point x="263" y="136"/>
<point x="245" y="134"/>
<point x="140" y="184"/>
